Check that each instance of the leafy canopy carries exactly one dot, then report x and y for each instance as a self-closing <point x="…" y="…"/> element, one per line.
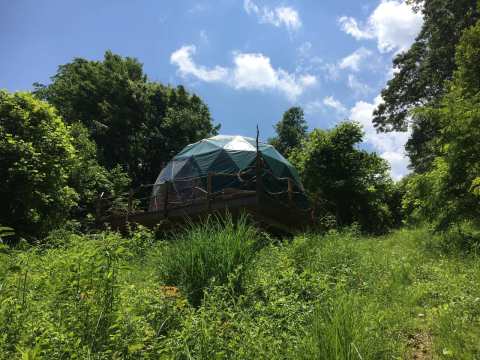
<point x="136" y="123"/>
<point x="36" y="158"/>
<point x="421" y="72"/>
<point x="349" y="183"/>
<point x="448" y="193"/>
<point x="291" y="131"/>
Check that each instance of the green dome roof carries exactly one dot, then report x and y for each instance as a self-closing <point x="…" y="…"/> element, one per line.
<point x="227" y="155"/>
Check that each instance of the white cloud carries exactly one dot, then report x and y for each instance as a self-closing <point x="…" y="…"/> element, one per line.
<point x="254" y="71"/>
<point x="333" y="103"/>
<point x="304" y="50"/>
<point x="351" y="27"/>
<point x="355" y="59"/>
<point x="359" y="88"/>
<point x="186" y="66"/>
<point x="251" y="71"/>
<point x="278" y="16"/>
<point x="393" y="24"/>
<point x="390" y="146"/>
<point x="354" y="62"/>
<point x="323" y="106"/>
<point x="331" y="71"/>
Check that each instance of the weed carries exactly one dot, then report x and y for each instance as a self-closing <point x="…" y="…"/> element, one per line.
<point x="206" y="254"/>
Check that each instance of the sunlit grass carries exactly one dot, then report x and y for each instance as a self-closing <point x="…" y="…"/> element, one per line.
<point x="212" y="292"/>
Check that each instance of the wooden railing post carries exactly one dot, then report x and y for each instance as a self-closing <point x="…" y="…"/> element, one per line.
<point x="290" y="191"/>
<point x="209" y="191"/>
<point x="165" y="199"/>
<point x="258" y="170"/>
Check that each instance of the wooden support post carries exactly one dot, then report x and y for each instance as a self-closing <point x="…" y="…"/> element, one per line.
<point x="290" y="191"/>
<point x="130" y="204"/>
<point x="165" y="199"/>
<point x="209" y="191"/>
<point x="155" y="197"/>
<point x="258" y="170"/>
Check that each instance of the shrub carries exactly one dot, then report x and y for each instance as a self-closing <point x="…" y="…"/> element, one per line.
<point x="463" y="237"/>
<point x="36" y="158"/>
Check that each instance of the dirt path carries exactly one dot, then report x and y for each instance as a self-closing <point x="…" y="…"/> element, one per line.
<point x="421" y="345"/>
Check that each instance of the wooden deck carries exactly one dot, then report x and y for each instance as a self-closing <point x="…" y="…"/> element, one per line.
<point x="268" y="213"/>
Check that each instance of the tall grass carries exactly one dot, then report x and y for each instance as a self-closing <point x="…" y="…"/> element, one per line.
<point x="334" y="296"/>
<point x="207" y="253"/>
<point x="336" y="332"/>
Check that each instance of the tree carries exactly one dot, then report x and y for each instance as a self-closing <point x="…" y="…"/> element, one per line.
<point x="135" y="123"/>
<point x="349" y="183"/>
<point x="421" y="73"/>
<point x="291" y="131"/>
<point x="89" y="178"/>
<point x="448" y="192"/>
<point x="36" y="159"/>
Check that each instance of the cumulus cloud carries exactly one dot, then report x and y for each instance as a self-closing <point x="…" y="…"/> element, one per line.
<point x="251" y="71"/>
<point x="351" y="27"/>
<point x="186" y="66"/>
<point x="355" y="59"/>
<point x="278" y="16"/>
<point x="393" y="24"/>
<point x="333" y="103"/>
<point x="360" y="59"/>
<point x="390" y="146"/>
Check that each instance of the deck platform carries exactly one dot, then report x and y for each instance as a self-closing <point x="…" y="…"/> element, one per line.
<point x="267" y="212"/>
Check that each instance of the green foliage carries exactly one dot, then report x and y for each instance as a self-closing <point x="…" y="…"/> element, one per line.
<point x="135" y="123"/>
<point x="342" y="180"/>
<point x="336" y="331"/>
<point x="90" y="179"/>
<point x="291" y="131"/>
<point x="336" y="296"/>
<point x="447" y="194"/>
<point x="5" y="232"/>
<point x="206" y="254"/>
<point x="37" y="156"/>
<point x="422" y="71"/>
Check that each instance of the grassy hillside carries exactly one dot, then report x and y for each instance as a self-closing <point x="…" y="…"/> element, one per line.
<point x="223" y="291"/>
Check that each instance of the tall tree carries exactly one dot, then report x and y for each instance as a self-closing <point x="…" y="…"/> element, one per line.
<point x="450" y="191"/>
<point x="421" y="73"/>
<point x="351" y="184"/>
<point x="291" y="130"/>
<point x="48" y="170"/>
<point x="135" y="123"/>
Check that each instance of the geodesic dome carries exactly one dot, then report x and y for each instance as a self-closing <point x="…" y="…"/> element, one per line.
<point x="231" y="161"/>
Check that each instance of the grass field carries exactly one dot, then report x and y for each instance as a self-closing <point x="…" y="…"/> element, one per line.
<point x="221" y="291"/>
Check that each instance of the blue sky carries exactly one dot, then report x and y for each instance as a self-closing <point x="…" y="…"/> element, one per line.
<point x="250" y="60"/>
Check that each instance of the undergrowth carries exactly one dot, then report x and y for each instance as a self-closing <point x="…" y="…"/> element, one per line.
<point x="222" y="290"/>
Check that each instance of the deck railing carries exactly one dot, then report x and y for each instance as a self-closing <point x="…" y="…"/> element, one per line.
<point x="184" y="192"/>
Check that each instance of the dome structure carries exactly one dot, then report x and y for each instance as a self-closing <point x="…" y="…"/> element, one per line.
<point x="231" y="161"/>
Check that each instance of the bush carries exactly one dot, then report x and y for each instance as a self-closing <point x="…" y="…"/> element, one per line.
<point x="36" y="158"/>
<point x="463" y="237"/>
<point x="207" y="253"/>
